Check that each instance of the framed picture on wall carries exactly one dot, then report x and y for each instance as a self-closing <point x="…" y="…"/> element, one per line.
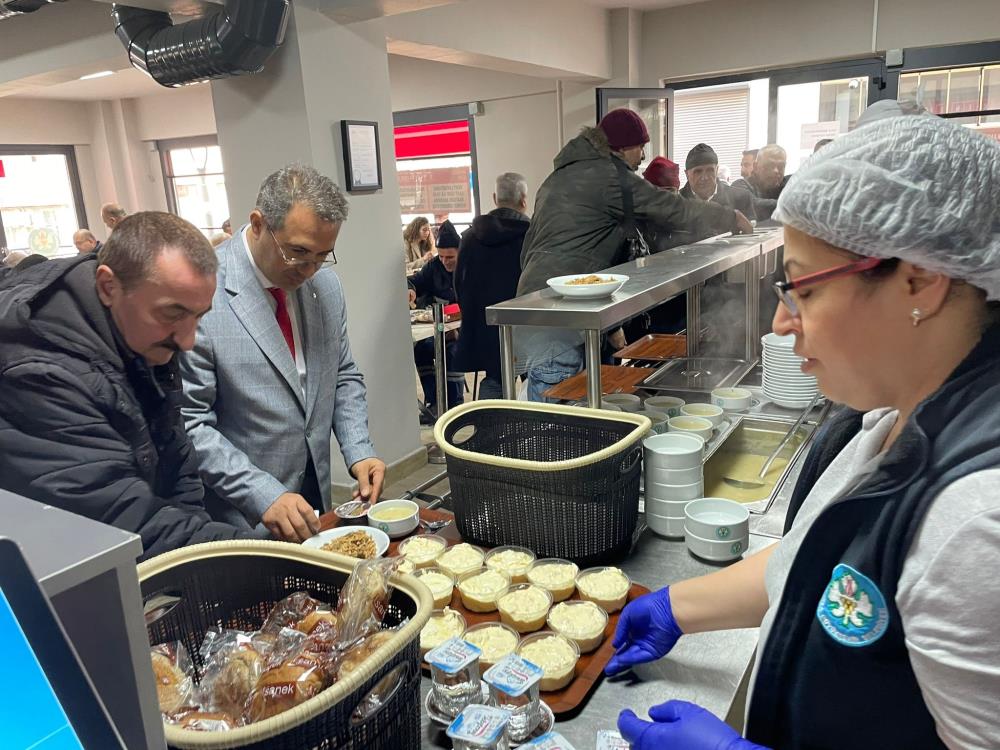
<point x="362" y="163"/>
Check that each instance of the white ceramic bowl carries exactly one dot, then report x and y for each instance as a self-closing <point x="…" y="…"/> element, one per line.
<point x="397" y="528"/>
<point x="691" y="491"/>
<point x="716" y="518"/>
<point x="673" y="476"/>
<point x="608" y="406"/>
<point x="625" y="401"/>
<point x="715" y="550"/>
<point x="711" y="412"/>
<point x="732" y="399"/>
<point x="693" y="425"/>
<point x="665" y="508"/>
<point x="658" y="418"/>
<point x="561" y="285"/>
<point x="325" y="537"/>
<point x="673" y="450"/>
<point x="672" y="528"/>
<point x="669" y="404"/>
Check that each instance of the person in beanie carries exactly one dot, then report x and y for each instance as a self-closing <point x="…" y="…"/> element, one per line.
<point x="577" y="228"/>
<point x="436" y="281"/>
<point x="702" y="170"/>
<point x="664" y="174"/>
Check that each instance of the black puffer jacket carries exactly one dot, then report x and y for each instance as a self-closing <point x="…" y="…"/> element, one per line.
<point x="576" y="226"/>
<point x="87" y="426"/>
<point x="489" y="266"/>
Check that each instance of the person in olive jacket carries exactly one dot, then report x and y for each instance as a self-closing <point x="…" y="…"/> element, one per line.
<point x="577" y="228"/>
<point x="89" y="389"/>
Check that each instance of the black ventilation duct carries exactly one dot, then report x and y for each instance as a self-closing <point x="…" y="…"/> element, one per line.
<point x="11" y="8"/>
<point x="235" y="40"/>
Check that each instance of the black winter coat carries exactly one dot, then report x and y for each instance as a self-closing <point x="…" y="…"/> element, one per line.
<point x="85" y="424"/>
<point x="729" y="196"/>
<point x="489" y="266"/>
<point x="433" y="280"/>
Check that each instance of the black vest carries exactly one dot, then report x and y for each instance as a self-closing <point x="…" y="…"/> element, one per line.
<point x="823" y="683"/>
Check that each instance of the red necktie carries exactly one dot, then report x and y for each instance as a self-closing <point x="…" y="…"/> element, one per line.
<point x="281" y="315"/>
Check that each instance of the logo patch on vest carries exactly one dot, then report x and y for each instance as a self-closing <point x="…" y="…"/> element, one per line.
<point x="852" y="610"/>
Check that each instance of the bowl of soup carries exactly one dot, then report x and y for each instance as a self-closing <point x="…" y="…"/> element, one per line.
<point x="395" y="517"/>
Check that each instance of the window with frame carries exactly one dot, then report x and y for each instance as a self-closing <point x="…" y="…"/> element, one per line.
<point x="195" y="182"/>
<point x="41" y="204"/>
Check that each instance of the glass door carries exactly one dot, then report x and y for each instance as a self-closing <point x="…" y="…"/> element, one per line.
<point x="654" y="106"/>
<point x="810" y="106"/>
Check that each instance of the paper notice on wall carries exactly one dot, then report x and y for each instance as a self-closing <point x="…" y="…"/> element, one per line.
<point x="364" y="155"/>
<point x="812" y="132"/>
<point x="445" y="190"/>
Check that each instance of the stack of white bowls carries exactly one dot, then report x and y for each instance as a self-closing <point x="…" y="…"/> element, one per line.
<point x="716" y="529"/>
<point x="784" y="382"/>
<point x="672" y="477"/>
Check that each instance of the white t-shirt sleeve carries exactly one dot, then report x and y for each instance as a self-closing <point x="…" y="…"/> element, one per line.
<point x="949" y="601"/>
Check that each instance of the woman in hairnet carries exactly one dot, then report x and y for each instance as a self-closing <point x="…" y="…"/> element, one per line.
<point x="879" y="610"/>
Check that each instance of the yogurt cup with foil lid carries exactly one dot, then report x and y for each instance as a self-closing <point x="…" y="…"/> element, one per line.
<point x="453" y="655"/>
<point x="513" y="675"/>
<point x="549" y="741"/>
<point x="479" y="726"/>
<point x="610" y="739"/>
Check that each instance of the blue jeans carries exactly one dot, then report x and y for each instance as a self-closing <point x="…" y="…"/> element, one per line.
<point x="543" y="375"/>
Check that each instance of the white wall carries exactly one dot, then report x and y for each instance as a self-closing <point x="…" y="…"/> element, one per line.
<point x="516" y="135"/>
<point x="176" y="113"/>
<point x="43" y="121"/>
<point x="791" y="32"/>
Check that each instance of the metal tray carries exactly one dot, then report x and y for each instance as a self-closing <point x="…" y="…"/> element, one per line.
<point x="759" y="436"/>
<point x="697" y="374"/>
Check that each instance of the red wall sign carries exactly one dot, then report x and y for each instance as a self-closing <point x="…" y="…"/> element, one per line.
<point x="423" y="191"/>
<point x="1" y="168"/>
<point x="439" y="139"/>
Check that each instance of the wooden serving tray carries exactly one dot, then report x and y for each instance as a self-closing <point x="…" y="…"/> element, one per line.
<point x="614" y="379"/>
<point x="655" y="347"/>
<point x="590" y="667"/>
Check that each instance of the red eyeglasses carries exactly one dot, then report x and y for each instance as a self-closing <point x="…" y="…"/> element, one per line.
<point x="784" y="288"/>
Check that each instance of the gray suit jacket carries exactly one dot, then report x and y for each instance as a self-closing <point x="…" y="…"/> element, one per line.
<point x="243" y="407"/>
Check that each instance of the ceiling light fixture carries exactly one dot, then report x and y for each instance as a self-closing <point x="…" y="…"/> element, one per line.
<point x="99" y="74"/>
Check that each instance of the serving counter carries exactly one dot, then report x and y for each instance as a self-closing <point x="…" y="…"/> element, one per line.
<point x="653" y="280"/>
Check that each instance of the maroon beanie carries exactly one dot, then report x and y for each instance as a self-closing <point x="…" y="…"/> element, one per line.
<point x="624" y="128"/>
<point x="663" y="173"/>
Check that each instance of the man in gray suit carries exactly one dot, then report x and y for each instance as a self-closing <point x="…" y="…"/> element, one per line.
<point x="271" y="373"/>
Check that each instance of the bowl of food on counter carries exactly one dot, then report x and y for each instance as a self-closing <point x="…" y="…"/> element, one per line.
<point x="362" y="542"/>
<point x="587" y="285"/>
<point x="394" y="517"/>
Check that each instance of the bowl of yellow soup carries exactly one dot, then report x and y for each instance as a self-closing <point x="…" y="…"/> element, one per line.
<point x="395" y="517"/>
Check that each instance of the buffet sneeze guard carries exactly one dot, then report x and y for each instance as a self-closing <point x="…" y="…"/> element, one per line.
<point x="654" y="280"/>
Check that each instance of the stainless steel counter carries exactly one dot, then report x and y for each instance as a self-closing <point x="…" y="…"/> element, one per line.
<point x="652" y="281"/>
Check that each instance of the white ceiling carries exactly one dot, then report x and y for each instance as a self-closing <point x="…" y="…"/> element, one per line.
<point x="128" y="83"/>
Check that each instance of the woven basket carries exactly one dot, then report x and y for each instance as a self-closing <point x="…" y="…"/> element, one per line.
<point x="562" y="481"/>
<point x="234" y="585"/>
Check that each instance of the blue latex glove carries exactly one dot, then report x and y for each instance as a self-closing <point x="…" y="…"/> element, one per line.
<point x="681" y="725"/>
<point x="646" y="631"/>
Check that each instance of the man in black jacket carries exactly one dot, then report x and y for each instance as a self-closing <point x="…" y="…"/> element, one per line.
<point x="767" y="180"/>
<point x="436" y="281"/>
<point x="89" y="390"/>
<point x="489" y="267"/>
<point x="702" y="170"/>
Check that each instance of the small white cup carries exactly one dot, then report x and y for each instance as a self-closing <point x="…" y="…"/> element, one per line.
<point x="673" y="450"/>
<point x="658" y="418"/>
<point x="669" y="404"/>
<point x="732" y="399"/>
<point x="625" y="401"/>
<point x="657" y="491"/>
<point x="716" y="550"/>
<point x="711" y="412"/>
<point x="716" y="518"/>
<point x="692" y="425"/>
<point x="672" y="528"/>
<point x="666" y="508"/>
<point x="673" y="476"/>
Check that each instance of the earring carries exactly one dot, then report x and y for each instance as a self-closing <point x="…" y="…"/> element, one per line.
<point x="916" y="314"/>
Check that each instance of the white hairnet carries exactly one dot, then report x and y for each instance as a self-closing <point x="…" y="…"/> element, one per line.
<point x="914" y="187"/>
